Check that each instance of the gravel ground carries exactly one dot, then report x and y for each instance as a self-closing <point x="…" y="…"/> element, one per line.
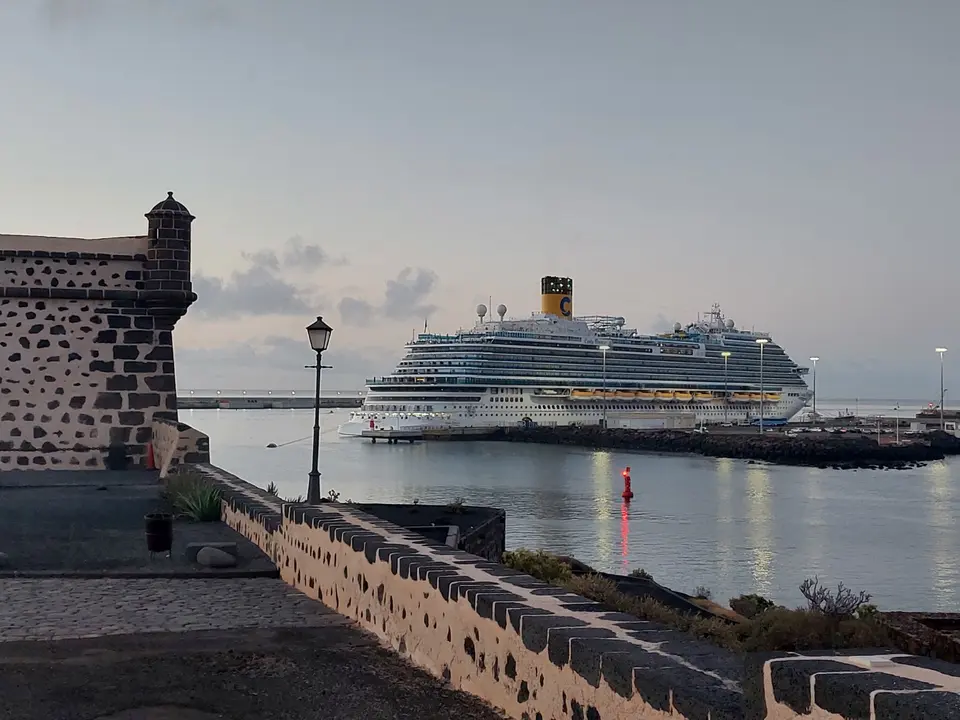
<point x="93" y="522"/>
<point x="335" y="672"/>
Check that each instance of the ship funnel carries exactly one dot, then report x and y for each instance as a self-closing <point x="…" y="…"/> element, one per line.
<point x="556" y="296"/>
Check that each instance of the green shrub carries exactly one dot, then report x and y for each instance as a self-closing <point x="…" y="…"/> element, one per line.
<point x="749" y="606"/>
<point x="769" y="629"/>
<point x="641" y="573"/>
<point x="195" y="496"/>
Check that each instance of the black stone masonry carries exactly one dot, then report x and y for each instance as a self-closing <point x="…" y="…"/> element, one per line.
<point x="86" y="342"/>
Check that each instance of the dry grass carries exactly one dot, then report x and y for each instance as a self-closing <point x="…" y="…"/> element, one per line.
<point x="770" y="629"/>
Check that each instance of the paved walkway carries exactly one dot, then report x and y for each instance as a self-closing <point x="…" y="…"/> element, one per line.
<point x="237" y="649"/>
<point x="58" y="609"/>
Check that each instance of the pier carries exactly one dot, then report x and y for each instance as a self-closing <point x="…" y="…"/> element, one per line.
<point x="277" y="401"/>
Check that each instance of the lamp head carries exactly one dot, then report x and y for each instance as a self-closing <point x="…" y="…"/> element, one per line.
<point x="941" y="350"/>
<point x="762" y="341"/>
<point x="318" y="333"/>
<point x="726" y="354"/>
<point x="604" y="347"/>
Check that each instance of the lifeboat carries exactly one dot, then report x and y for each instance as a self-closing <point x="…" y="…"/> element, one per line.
<point x="755" y="397"/>
<point x="703" y="395"/>
<point x="664" y="395"/>
<point x="646" y="395"/>
<point x="771" y="397"/>
<point x="741" y="397"/>
<point x="626" y="394"/>
<point x="683" y="396"/>
<point x="582" y="393"/>
<point x="609" y="394"/>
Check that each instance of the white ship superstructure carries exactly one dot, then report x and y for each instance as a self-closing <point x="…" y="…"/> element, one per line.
<point x="557" y="369"/>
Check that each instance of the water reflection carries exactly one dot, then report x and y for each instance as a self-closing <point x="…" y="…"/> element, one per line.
<point x="943" y="561"/>
<point x="816" y="534"/>
<point x="759" y="517"/>
<point x="602" y="472"/>
<point x="725" y="514"/>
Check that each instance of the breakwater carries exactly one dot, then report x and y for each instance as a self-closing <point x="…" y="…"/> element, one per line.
<point x="815" y="450"/>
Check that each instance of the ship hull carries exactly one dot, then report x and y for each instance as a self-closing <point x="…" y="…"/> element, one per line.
<point x="489" y="415"/>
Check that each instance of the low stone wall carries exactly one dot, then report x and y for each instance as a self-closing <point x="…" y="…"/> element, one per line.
<point x="176" y="443"/>
<point x="538" y="652"/>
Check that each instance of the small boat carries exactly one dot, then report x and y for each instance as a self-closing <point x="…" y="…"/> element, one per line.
<point x="646" y="395"/>
<point x="625" y="394"/>
<point x="664" y="394"/>
<point x="582" y="394"/>
<point x="741" y="397"/>
<point x="771" y="397"/>
<point x="755" y="397"/>
<point x="698" y="395"/>
<point x="682" y="396"/>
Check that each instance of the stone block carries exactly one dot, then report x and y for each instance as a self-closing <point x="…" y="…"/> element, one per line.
<point x="190" y="553"/>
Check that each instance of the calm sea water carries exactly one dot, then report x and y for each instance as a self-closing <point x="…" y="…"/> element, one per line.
<point x="724" y="524"/>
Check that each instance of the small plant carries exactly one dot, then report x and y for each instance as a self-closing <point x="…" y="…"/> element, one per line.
<point x="297" y="499"/>
<point x="539" y="564"/>
<point x="703" y="593"/>
<point x="333" y="495"/>
<point x="272" y="489"/>
<point x="868" y="611"/>
<point x="194" y="496"/>
<point x="840" y="604"/>
<point x="456" y="507"/>
<point x="749" y="606"/>
<point x="641" y="573"/>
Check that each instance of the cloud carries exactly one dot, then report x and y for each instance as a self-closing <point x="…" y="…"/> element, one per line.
<point x="295" y="255"/>
<point x="262" y="289"/>
<point x="404" y="297"/>
<point x="255" y="291"/>
<point x="277" y="363"/>
<point x="354" y="311"/>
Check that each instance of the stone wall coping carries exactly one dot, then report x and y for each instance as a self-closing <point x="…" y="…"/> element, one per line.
<point x="669" y="670"/>
<point x="123" y="244"/>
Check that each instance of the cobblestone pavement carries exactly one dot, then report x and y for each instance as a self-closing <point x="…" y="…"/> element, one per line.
<point x="57" y="609"/>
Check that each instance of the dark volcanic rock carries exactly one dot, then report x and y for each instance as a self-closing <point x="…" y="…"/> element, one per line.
<point x="820" y="450"/>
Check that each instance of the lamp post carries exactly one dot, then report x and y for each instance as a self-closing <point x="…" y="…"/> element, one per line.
<point x="761" y="342"/>
<point x="319" y="335"/>
<point x="726" y="397"/>
<point x="814" y="360"/>
<point x="941" y="350"/>
<point x="603" y="421"/>
<point x="896" y="419"/>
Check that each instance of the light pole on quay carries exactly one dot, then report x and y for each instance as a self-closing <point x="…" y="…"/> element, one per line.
<point x="761" y="342"/>
<point x="318" y="333"/>
<point x="604" y="348"/>
<point x="726" y="397"/>
<point x="814" y="360"/>
<point x="941" y="350"/>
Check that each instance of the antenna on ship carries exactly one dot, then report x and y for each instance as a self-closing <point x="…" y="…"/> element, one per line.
<point x="425" y="326"/>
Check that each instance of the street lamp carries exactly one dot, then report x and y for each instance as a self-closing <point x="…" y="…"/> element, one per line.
<point x="603" y="421"/>
<point x="761" y="342"/>
<point x="814" y="360"/>
<point x="318" y="333"/>
<point x="726" y="397"/>
<point x="941" y="350"/>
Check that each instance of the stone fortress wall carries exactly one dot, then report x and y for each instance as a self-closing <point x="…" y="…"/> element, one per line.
<point x="541" y="653"/>
<point x="86" y="341"/>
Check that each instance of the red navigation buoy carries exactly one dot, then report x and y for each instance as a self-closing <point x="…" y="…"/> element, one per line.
<point x="627" y="491"/>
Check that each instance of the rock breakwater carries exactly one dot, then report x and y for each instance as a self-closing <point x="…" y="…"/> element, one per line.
<point x="816" y="450"/>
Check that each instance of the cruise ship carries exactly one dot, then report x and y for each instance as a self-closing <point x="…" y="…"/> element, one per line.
<point x="554" y="368"/>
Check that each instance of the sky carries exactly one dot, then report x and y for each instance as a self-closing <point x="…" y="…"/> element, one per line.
<point x="383" y="163"/>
